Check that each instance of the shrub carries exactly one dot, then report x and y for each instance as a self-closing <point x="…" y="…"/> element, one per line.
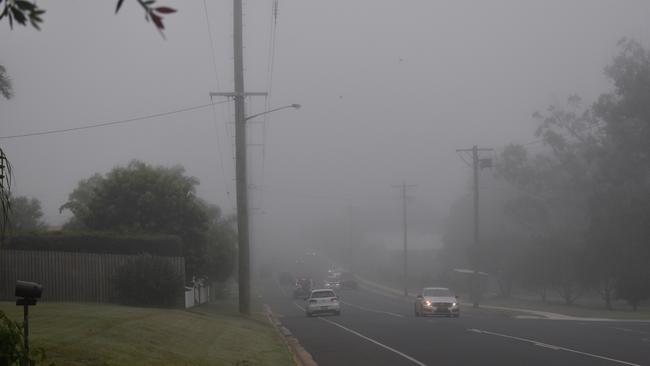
<point x="149" y="281"/>
<point x="12" y="349"/>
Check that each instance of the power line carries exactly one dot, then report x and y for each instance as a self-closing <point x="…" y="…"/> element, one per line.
<point x="223" y="170"/>
<point x="212" y="52"/>
<point x="269" y="85"/>
<point x="105" y="124"/>
<point x="214" y="112"/>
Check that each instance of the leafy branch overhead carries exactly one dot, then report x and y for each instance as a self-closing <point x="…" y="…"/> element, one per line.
<point x="24" y="12"/>
<point x="21" y="12"/>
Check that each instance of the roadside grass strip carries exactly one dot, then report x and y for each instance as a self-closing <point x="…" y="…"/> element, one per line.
<point x="104" y="335"/>
<point x="551" y="346"/>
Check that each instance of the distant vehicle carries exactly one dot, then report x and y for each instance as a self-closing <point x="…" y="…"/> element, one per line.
<point x="285" y="278"/>
<point x="437" y="301"/>
<point x="303" y="288"/>
<point x="348" y="281"/>
<point x="322" y="301"/>
<point x="334" y="271"/>
<point x="333" y="281"/>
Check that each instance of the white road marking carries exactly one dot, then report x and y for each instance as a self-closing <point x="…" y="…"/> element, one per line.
<point x="551" y="346"/>
<point x="368" y="339"/>
<point x="631" y="330"/>
<point x="375" y="342"/>
<point x="372" y="310"/>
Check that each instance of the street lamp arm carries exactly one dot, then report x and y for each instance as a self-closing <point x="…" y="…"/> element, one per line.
<point x="295" y="106"/>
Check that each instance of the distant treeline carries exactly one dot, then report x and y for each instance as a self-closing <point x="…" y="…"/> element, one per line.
<point x="569" y="212"/>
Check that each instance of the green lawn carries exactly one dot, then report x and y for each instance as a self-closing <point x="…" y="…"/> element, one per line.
<point x="578" y="309"/>
<point x="99" y="334"/>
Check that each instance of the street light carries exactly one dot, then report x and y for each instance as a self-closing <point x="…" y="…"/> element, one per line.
<point x="294" y="106"/>
<point x="243" y="237"/>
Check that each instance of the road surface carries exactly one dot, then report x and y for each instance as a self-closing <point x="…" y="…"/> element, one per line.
<point x="381" y="329"/>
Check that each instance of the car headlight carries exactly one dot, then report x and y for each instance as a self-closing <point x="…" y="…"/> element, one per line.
<point x="427" y="303"/>
<point x="453" y="305"/>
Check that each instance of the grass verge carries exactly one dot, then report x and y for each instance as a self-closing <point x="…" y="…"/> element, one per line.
<point x="577" y="310"/>
<point x="100" y="334"/>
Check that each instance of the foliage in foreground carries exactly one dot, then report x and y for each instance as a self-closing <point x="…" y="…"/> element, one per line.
<point x="12" y="347"/>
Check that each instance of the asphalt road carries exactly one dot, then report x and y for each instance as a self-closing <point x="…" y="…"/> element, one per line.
<point x="379" y="329"/>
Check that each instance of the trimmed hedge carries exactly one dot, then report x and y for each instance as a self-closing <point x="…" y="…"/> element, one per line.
<point x="99" y="242"/>
<point x="150" y="281"/>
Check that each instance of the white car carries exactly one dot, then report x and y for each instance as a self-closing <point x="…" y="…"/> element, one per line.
<point x="437" y="301"/>
<point x="322" y="301"/>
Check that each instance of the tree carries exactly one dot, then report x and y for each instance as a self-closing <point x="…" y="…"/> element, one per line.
<point x="140" y="198"/>
<point x="221" y="244"/>
<point x="6" y="90"/>
<point x="24" y="12"/>
<point x="552" y="199"/>
<point x="79" y="200"/>
<point x="26" y="214"/>
<point x="620" y="209"/>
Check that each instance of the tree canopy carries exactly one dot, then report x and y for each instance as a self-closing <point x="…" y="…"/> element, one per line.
<point x="584" y="201"/>
<point x="26" y="214"/>
<point x="140" y="198"/>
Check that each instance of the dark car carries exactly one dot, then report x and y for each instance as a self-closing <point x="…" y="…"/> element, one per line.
<point x="303" y="288"/>
<point x="348" y="280"/>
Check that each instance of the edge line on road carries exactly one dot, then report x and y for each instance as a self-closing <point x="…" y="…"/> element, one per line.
<point x="368" y="339"/>
<point x="551" y="346"/>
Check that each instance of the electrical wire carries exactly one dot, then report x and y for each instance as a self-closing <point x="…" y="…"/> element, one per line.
<point x="269" y="84"/>
<point x="106" y="124"/>
<point x="214" y="112"/>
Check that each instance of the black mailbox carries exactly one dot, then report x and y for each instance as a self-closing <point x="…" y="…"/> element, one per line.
<point x="28" y="290"/>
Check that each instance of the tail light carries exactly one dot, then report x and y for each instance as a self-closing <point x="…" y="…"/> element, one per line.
<point x="335" y="299"/>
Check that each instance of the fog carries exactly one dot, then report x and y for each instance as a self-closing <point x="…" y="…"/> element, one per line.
<point x="389" y="90"/>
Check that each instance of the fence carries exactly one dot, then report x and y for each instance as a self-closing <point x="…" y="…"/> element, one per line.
<point x="65" y="276"/>
<point x="197" y="295"/>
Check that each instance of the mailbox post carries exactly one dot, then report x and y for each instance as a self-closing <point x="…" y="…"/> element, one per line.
<point x="27" y="293"/>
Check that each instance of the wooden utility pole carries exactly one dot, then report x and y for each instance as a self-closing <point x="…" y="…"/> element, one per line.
<point x="405" y="264"/>
<point x="240" y="161"/>
<point x="477" y="164"/>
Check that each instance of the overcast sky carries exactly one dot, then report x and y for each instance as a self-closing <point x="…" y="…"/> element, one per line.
<point x="389" y="90"/>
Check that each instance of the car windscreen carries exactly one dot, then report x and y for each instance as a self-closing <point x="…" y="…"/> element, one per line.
<point x="322" y="294"/>
<point x="437" y="292"/>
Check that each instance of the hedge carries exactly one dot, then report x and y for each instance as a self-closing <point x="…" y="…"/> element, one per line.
<point x="99" y="242"/>
<point x="150" y="281"/>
